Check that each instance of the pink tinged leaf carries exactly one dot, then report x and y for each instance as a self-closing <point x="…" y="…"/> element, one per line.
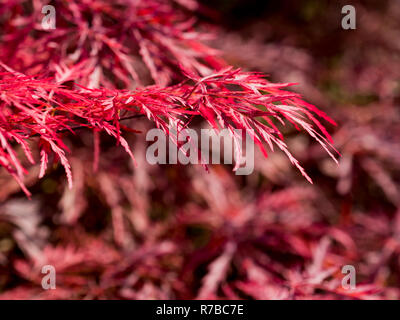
<point x="64" y="161"/>
<point x="43" y="163"/>
<point x="14" y="160"/>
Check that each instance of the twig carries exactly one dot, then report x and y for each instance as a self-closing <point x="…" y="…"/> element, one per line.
<point x="85" y="127"/>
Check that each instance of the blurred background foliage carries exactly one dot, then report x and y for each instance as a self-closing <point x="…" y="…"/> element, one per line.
<point x="180" y="232"/>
